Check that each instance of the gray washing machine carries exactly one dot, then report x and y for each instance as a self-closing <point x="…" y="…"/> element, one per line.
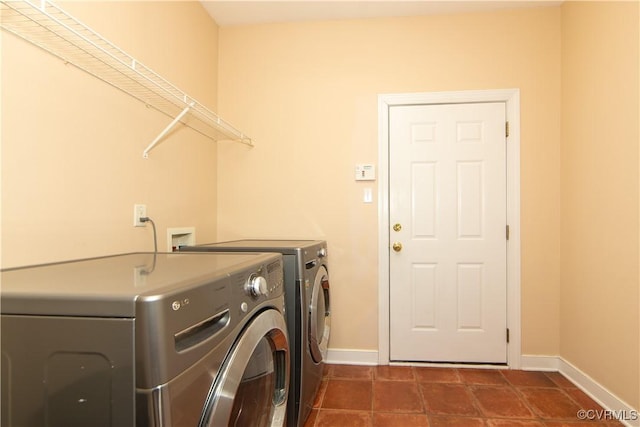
<point x="306" y="278"/>
<point x="144" y="339"/>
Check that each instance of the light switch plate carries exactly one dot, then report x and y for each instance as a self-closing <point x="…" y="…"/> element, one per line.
<point x="368" y="195"/>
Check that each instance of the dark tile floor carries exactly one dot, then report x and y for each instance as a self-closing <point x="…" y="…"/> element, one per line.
<point x="404" y="396"/>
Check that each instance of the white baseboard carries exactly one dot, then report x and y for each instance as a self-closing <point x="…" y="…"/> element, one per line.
<point x="592" y="388"/>
<point x="539" y="363"/>
<point x="352" y="357"/>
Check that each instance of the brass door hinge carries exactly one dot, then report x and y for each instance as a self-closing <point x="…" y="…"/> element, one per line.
<point x="506" y="129"/>
<point x="507" y="335"/>
<point x="507" y="232"/>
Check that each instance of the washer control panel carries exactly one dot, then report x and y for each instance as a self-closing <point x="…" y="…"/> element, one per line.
<point x="275" y="275"/>
<point x="322" y="252"/>
<point x="256" y="286"/>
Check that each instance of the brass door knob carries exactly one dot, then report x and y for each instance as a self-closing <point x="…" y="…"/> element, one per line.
<point x="397" y="246"/>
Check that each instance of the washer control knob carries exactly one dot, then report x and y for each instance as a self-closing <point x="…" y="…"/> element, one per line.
<point x="322" y="252"/>
<point x="256" y="286"/>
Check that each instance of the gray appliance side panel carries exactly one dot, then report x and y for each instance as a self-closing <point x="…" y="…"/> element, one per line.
<point x="67" y="371"/>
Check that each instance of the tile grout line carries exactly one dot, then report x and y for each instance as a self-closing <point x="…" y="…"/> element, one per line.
<point x="523" y="399"/>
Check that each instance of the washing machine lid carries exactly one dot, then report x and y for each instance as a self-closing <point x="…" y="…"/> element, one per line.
<point x="287" y="247"/>
<point x="110" y="286"/>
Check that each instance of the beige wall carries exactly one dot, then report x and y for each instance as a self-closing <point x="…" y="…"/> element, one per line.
<point x="72" y="164"/>
<point x="307" y="94"/>
<point x="599" y="311"/>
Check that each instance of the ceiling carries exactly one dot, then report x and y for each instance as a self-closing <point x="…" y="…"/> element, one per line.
<point x="244" y="12"/>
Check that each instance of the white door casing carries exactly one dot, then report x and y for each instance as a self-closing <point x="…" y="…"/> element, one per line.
<point x="447" y="202"/>
<point x="510" y="98"/>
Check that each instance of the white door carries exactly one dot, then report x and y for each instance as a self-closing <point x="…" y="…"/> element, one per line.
<point x="447" y="181"/>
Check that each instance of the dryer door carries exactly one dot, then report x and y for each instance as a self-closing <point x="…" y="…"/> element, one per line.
<point x="251" y="388"/>
<point x="319" y="316"/>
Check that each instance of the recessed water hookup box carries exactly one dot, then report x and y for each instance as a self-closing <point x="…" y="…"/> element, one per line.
<point x="178" y="237"/>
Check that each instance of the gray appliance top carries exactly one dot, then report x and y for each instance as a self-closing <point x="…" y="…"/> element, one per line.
<point x="281" y="246"/>
<point x="110" y="286"/>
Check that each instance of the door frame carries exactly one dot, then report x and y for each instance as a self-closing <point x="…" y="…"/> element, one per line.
<point x="511" y="97"/>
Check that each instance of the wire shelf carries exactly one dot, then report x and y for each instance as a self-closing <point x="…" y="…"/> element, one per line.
<point x="49" y="27"/>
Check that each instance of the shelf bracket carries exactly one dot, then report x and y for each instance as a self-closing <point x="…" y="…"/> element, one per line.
<point x="166" y="130"/>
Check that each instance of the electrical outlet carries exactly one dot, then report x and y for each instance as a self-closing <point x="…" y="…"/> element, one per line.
<point x="139" y="211"/>
<point x="140" y="274"/>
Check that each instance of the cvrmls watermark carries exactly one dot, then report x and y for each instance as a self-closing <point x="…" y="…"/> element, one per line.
<point x="607" y="414"/>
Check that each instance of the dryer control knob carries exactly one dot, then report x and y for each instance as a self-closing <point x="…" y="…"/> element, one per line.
<point x="322" y="252"/>
<point x="256" y="286"/>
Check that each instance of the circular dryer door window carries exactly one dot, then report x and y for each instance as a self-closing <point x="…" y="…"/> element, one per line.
<point x="319" y="316"/>
<point x="251" y="389"/>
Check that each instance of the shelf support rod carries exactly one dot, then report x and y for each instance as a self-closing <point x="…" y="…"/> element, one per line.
<point x="166" y="130"/>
